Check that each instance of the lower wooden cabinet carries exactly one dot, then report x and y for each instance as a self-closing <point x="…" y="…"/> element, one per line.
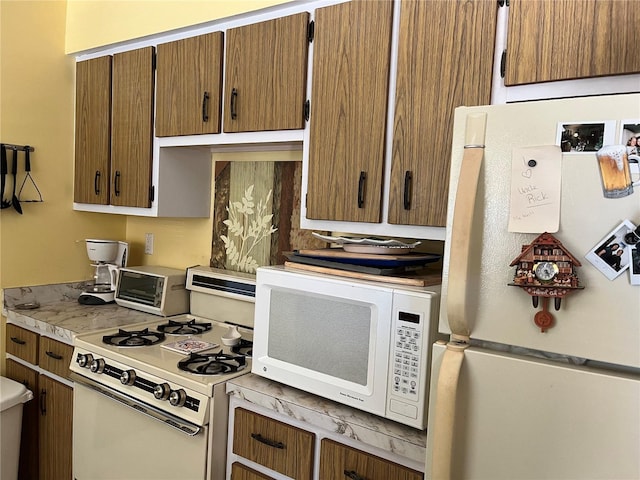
<point x="339" y="462"/>
<point x="46" y="442"/>
<point x="276" y="445"/>
<point x="264" y="448"/>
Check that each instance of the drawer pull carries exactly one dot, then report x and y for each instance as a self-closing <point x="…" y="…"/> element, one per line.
<point x="18" y="341"/>
<point x="55" y="356"/>
<point x="43" y="402"/>
<point x="96" y="183"/>
<point x="352" y="475"/>
<point x="266" y="441"/>
<point x="361" y="184"/>
<point x="408" y="177"/>
<point x="205" y="107"/>
<point x="234" y="101"/>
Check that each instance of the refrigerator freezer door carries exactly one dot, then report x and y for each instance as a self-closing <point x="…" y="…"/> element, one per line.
<point x="599" y="322"/>
<point x="522" y="419"/>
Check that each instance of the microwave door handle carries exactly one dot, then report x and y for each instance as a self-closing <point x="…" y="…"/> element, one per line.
<point x="459" y="255"/>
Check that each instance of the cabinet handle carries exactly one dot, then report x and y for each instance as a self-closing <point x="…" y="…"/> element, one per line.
<point x="408" y="177"/>
<point x="43" y="402"/>
<point x="116" y="183"/>
<point x="266" y="441"/>
<point x="55" y="356"/>
<point x="352" y="475"/>
<point x="96" y="182"/>
<point x="234" y="101"/>
<point x="18" y="341"/>
<point x="205" y="107"/>
<point x="361" y="185"/>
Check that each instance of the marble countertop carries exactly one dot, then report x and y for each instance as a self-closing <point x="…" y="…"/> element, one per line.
<point x="59" y="314"/>
<point x="330" y="416"/>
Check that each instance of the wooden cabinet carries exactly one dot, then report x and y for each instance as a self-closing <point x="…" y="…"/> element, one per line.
<point x="132" y="128"/>
<point x="189" y="86"/>
<point x="444" y="60"/>
<point x="552" y="40"/>
<point x="277" y="446"/>
<point x="114" y="127"/>
<point x="242" y="472"/>
<point x="93" y="131"/>
<point x="351" y="58"/>
<point x="265" y="75"/>
<point x="338" y="462"/>
<point x="45" y="447"/>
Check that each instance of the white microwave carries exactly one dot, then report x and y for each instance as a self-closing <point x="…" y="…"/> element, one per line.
<point x="359" y="343"/>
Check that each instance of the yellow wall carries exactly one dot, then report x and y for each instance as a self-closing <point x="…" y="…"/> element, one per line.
<point x="37" y="108"/>
<point x="95" y="23"/>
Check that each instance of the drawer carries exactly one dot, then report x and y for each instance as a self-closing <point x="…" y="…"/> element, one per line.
<point x="338" y="462"/>
<point x="242" y="472"/>
<point x="273" y="444"/>
<point x="22" y="343"/>
<point x="55" y="356"/>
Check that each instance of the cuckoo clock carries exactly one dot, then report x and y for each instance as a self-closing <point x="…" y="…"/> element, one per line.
<point x="546" y="269"/>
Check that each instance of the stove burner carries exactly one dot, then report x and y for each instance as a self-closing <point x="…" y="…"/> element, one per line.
<point x="244" y="347"/>
<point x="212" y="363"/>
<point x="190" y="327"/>
<point x="134" y="338"/>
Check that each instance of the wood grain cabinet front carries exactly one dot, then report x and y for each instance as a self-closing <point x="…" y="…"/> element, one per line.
<point x="189" y="86"/>
<point x="339" y="462"/>
<point x="551" y="40"/>
<point x="273" y="444"/>
<point x="22" y="343"/>
<point x="55" y="356"/>
<point x="242" y="472"/>
<point x="266" y="75"/>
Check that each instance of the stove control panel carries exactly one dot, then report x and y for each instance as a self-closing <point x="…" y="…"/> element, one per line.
<point x="143" y="386"/>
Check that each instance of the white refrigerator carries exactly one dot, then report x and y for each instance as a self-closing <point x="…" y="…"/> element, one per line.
<point x="558" y="399"/>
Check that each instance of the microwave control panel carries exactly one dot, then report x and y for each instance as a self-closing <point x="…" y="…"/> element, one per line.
<point x="407" y="350"/>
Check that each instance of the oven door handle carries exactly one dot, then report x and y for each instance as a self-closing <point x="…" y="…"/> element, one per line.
<point x="183" y="426"/>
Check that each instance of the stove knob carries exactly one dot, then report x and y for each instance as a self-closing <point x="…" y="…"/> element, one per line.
<point x="97" y="366"/>
<point x="84" y="360"/>
<point x="177" y="398"/>
<point x="161" y="391"/>
<point x="128" y="377"/>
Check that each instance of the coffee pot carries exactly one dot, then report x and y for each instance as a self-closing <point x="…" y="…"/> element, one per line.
<point x="107" y="257"/>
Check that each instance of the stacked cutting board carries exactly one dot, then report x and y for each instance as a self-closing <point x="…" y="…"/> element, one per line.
<point x="385" y="263"/>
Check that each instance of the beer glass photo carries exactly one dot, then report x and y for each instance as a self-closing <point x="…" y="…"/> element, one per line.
<point x="614" y="171"/>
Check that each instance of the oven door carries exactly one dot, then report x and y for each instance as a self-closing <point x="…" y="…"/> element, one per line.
<point x="114" y="441"/>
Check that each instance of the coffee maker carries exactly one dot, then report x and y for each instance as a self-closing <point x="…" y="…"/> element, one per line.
<point x="106" y="256"/>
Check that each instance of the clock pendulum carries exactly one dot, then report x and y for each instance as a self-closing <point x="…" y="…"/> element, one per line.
<point x="546" y="269"/>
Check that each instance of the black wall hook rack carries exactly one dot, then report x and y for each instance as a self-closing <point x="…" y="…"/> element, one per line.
<point x="24" y="148"/>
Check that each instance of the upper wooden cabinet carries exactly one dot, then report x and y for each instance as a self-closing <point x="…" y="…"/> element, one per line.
<point x="444" y="60"/>
<point x="351" y="57"/>
<point x="132" y="128"/>
<point x="265" y="75"/>
<point x="189" y="86"/>
<point x="445" y="52"/>
<point x="93" y="131"/>
<point x="552" y="40"/>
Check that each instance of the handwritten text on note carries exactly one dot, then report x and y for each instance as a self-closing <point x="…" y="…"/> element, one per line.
<point x="535" y="189"/>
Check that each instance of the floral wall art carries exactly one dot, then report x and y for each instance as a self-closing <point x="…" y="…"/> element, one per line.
<point x="257" y="214"/>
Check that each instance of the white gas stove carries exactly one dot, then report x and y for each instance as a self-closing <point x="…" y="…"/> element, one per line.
<point x="171" y="372"/>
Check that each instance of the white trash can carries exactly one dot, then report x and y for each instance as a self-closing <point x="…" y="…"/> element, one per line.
<point x="12" y="396"/>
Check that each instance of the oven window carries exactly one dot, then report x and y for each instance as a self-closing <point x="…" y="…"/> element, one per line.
<point x="143" y="289"/>
<point x="325" y="334"/>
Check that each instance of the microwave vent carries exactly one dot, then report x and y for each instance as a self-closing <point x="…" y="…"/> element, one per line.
<point x="224" y="285"/>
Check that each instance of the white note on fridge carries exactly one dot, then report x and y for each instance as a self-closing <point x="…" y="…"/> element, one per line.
<point x="536" y="179"/>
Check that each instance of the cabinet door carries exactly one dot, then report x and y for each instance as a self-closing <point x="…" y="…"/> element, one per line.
<point x="338" y="462"/>
<point x="351" y="56"/>
<point x="444" y="61"/>
<point x="28" y="469"/>
<point x="93" y="131"/>
<point x="189" y="86"/>
<point x="56" y="412"/>
<point x="131" y="131"/>
<point x="551" y="40"/>
<point x="276" y="445"/>
<point x="266" y="75"/>
<point x="242" y="472"/>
